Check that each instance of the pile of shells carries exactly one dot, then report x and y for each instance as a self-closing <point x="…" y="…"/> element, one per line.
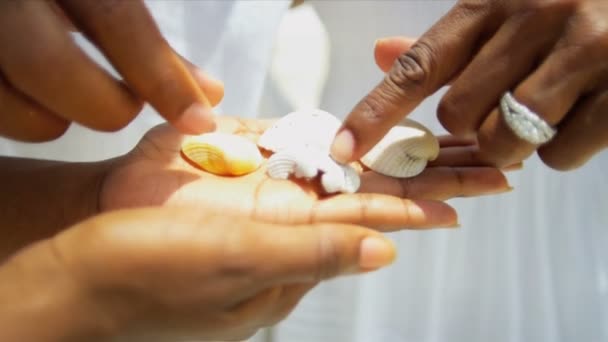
<point x="300" y="143"/>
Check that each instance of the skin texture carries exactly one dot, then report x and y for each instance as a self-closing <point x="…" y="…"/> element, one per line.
<point x="36" y="41"/>
<point x="167" y="274"/>
<point x="550" y="53"/>
<point x="185" y="269"/>
<point x="155" y="173"/>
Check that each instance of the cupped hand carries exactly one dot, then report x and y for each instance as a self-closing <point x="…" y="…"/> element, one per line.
<point x="551" y="55"/>
<point x="47" y="81"/>
<point x="155" y="173"/>
<point x="174" y="273"/>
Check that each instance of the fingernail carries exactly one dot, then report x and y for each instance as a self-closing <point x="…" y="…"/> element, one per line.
<point x="343" y="146"/>
<point x="508" y="188"/>
<point x="379" y="41"/>
<point x="203" y="77"/>
<point x="375" y="252"/>
<point x="196" y="119"/>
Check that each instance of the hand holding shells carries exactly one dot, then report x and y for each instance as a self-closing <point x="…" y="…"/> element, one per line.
<point x="156" y="173"/>
<point x="524" y="76"/>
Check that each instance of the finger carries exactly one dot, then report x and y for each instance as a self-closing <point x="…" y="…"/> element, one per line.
<point x="311" y="253"/>
<point x="128" y="36"/>
<point x="439" y="183"/>
<point x="22" y="119"/>
<point x="550" y="92"/>
<point x="373" y="208"/>
<point x="61" y="14"/>
<point x="254" y="254"/>
<point x="387" y="50"/>
<point x="42" y="62"/>
<point x="425" y="67"/>
<point x="211" y="87"/>
<point x="581" y="135"/>
<point x="465" y="156"/>
<point x="451" y="140"/>
<point x="499" y="66"/>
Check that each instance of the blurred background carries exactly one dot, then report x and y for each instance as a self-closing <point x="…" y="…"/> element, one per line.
<point x="530" y="265"/>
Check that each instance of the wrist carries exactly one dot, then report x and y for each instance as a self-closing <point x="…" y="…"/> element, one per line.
<point x="40" y="198"/>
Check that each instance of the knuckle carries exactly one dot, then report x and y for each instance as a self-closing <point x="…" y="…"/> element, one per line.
<point x="411" y="72"/>
<point x="546" y="7"/>
<point x="450" y="115"/>
<point x="558" y="164"/>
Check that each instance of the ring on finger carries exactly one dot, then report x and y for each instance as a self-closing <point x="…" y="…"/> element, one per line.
<point x="526" y="124"/>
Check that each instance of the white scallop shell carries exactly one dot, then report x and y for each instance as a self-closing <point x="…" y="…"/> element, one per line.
<point x="222" y="153"/>
<point x="305" y="128"/>
<point x="404" y="151"/>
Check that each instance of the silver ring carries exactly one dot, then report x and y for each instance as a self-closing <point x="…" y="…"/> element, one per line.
<point x="526" y="124"/>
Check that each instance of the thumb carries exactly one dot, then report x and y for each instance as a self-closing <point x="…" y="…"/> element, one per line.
<point x="387" y="50"/>
<point x="312" y="253"/>
<point x="429" y="64"/>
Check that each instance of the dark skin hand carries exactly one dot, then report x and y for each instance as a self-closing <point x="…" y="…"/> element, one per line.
<point x="47" y="82"/>
<point x="552" y="54"/>
<point x="174" y="273"/>
<point x="155" y="173"/>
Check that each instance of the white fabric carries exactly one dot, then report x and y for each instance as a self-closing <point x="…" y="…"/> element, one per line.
<point x="531" y="265"/>
<point x="528" y="266"/>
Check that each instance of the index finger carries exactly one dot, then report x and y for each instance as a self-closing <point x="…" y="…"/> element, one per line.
<point x="128" y="36"/>
<point x="429" y="64"/>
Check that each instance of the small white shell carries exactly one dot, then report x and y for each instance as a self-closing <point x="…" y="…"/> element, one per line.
<point x="299" y="162"/>
<point x="280" y="166"/>
<point x="307" y="162"/>
<point x="404" y="151"/>
<point x="222" y="153"/>
<point x="341" y="178"/>
<point x="306" y="128"/>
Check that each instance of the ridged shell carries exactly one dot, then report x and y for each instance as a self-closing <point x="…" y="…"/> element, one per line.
<point x="305" y="128"/>
<point x="307" y="162"/>
<point x="340" y="178"/>
<point x="404" y="151"/>
<point x="300" y="162"/>
<point x="222" y="154"/>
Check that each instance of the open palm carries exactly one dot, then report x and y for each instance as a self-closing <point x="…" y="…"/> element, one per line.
<point x="155" y="173"/>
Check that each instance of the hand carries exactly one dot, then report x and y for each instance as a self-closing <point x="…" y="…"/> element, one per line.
<point x="167" y="274"/>
<point x="550" y="54"/>
<point x="48" y="82"/>
<point x="155" y="173"/>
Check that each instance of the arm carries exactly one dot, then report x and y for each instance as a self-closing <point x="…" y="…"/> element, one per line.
<point x="40" y="197"/>
<point x="42" y="302"/>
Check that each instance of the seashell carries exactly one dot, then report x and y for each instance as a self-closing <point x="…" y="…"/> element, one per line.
<point x="305" y="162"/>
<point x="281" y="166"/>
<point x="222" y="154"/>
<point x="305" y="128"/>
<point x="338" y="177"/>
<point x="300" y="162"/>
<point x="404" y="151"/>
